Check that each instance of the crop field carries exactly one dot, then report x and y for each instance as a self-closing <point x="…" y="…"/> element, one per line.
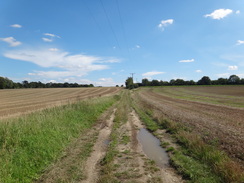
<point x="24" y="100"/>
<point x="215" y="113"/>
<point x="198" y="129"/>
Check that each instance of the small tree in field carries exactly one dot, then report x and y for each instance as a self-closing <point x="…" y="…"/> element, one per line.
<point x="129" y="83"/>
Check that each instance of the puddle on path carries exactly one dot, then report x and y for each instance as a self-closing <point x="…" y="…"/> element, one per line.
<point x="151" y="147"/>
<point x="106" y="142"/>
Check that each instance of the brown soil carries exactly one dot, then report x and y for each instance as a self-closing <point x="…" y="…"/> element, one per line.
<point x="20" y="101"/>
<point x="217" y="124"/>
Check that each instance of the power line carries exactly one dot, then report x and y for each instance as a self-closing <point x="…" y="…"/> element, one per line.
<point x="122" y="25"/>
<point x="109" y="22"/>
<point x="96" y="22"/>
<point x="132" y="74"/>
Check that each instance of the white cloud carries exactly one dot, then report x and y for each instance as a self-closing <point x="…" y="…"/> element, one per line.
<point x="16" y="26"/>
<point x="153" y="73"/>
<point x="199" y="71"/>
<point x="238" y="12"/>
<point x="51" y="35"/>
<point x="66" y="65"/>
<point x="53" y="49"/>
<point x="47" y="39"/>
<point x="11" y="41"/>
<point x="106" y="82"/>
<point x="219" y="14"/>
<point x="239" y="42"/>
<point x="165" y="23"/>
<point x="185" y="61"/>
<point x="233" y="67"/>
<point x="138" y="46"/>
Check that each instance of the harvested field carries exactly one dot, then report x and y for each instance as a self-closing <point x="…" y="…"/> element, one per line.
<point x="217" y="124"/>
<point x="18" y="101"/>
<point x="222" y="95"/>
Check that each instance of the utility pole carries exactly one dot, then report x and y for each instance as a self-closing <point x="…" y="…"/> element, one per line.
<point x="132" y="76"/>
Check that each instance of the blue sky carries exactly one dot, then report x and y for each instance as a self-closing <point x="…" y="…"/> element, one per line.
<point x="103" y="41"/>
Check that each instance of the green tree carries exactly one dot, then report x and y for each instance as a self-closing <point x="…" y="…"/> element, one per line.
<point x="204" y="81"/>
<point x="129" y="83"/>
<point x="234" y="79"/>
<point x="145" y="82"/>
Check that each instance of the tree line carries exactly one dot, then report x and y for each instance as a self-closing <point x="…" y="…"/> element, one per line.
<point x="6" y="83"/>
<point x="205" y="80"/>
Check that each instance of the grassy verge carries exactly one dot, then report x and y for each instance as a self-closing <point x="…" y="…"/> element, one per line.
<point x="30" y="143"/>
<point x="195" y="160"/>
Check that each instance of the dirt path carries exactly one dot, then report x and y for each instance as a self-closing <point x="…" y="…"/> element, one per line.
<point x="131" y="164"/>
<point x="99" y="150"/>
<point x="222" y="124"/>
<point x="167" y="175"/>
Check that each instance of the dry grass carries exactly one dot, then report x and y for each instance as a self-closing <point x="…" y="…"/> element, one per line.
<point x="19" y="101"/>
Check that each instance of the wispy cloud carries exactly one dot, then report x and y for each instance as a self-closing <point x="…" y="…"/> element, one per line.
<point x="62" y="64"/>
<point x="199" y="71"/>
<point x="165" y="23"/>
<point x="47" y="39"/>
<point x="232" y="67"/>
<point x="219" y="13"/>
<point x="138" y="46"/>
<point x="51" y="35"/>
<point x="11" y="41"/>
<point x="238" y="12"/>
<point x="152" y="73"/>
<point x="16" y="26"/>
<point x="185" y="61"/>
<point x="239" y="42"/>
<point x="53" y="49"/>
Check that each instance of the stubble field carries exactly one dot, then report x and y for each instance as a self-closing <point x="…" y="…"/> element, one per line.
<point x="215" y="113"/>
<point x="19" y="101"/>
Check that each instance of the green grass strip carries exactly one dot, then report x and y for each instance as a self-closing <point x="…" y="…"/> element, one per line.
<point x="30" y="143"/>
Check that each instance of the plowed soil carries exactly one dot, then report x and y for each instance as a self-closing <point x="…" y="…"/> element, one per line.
<point x="223" y="125"/>
<point x="19" y="101"/>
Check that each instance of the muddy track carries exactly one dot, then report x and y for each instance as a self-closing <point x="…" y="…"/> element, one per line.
<point x="131" y="164"/>
<point x="223" y="124"/>
<point x="99" y="151"/>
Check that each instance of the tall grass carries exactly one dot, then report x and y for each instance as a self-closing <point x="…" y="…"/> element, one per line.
<point x="30" y="143"/>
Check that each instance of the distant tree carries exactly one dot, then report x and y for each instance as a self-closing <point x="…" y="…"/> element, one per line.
<point x="117" y="85"/>
<point x="191" y="82"/>
<point x="179" y="82"/>
<point x="129" y="83"/>
<point x="2" y="83"/>
<point x="145" y="82"/>
<point x="155" y="83"/>
<point x="122" y="86"/>
<point x="234" y="79"/>
<point x="204" y="81"/>
<point x="242" y="81"/>
<point x="222" y="81"/>
<point x="172" y="82"/>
